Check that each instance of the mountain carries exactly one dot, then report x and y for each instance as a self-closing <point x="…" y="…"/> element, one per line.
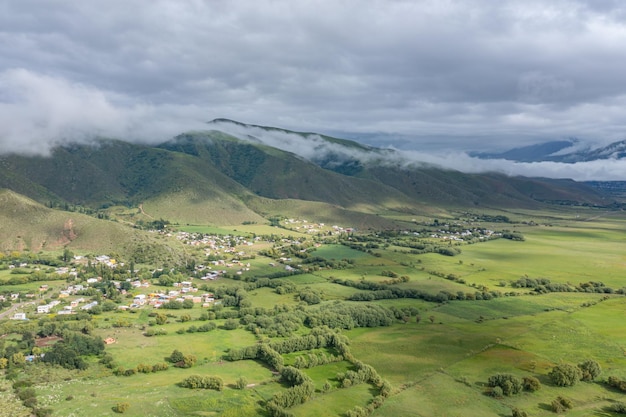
<point x="238" y="173"/>
<point x="530" y="153"/>
<point x="566" y="151"/>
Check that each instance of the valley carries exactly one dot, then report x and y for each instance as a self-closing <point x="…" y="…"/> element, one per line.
<point x="412" y="321"/>
<point x="217" y="275"/>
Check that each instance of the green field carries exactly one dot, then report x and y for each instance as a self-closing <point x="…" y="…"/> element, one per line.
<point x="436" y="355"/>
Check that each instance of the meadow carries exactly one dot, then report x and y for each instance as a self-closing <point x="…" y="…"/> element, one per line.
<point x="436" y="355"/>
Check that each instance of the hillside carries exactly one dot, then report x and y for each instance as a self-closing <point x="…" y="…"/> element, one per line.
<point x="28" y="225"/>
<point x="229" y="176"/>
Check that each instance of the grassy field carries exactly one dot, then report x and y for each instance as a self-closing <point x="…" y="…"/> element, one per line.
<point x="438" y="365"/>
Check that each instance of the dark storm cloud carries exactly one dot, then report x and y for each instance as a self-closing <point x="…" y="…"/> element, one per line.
<point x="481" y="74"/>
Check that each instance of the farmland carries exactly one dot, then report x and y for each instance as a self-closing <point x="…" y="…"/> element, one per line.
<point x="411" y="322"/>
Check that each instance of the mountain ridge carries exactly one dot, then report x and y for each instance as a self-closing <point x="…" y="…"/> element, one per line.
<point x="216" y="177"/>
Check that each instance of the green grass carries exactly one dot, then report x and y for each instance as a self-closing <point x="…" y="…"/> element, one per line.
<point x="335" y="402"/>
<point x="339" y="252"/>
<point x="132" y="348"/>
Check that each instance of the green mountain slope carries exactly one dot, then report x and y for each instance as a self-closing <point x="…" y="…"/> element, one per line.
<point x="227" y="178"/>
<point x="28" y="225"/>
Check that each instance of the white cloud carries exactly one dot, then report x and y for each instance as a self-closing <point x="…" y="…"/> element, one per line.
<point x="463" y="75"/>
<point x="38" y="112"/>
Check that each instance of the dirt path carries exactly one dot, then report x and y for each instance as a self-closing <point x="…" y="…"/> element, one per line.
<point x="143" y="212"/>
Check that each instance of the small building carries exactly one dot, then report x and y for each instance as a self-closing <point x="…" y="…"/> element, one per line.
<point x="44" y="309"/>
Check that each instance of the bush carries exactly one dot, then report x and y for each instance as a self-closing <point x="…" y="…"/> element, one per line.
<point x="203" y="382"/>
<point x="565" y="375"/>
<point x="531" y="383"/>
<point x="510" y="384"/>
<point x="619" y="408"/>
<point x="242" y="382"/>
<point x="561" y="404"/>
<point x="519" y="413"/>
<point x="497" y="392"/>
<point x="121" y="407"/>
<point x="590" y="370"/>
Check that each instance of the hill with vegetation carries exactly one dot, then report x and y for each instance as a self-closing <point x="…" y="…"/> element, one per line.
<point x="30" y="226"/>
<point x="246" y="174"/>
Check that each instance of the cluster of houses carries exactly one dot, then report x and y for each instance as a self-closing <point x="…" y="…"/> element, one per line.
<point x="313" y="228"/>
<point x="156" y="300"/>
<point x="217" y="243"/>
<point x="68" y="309"/>
<point x="212" y="274"/>
<point x="460" y="236"/>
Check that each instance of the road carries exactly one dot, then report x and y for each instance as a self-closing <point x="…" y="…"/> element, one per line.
<point x="14" y="307"/>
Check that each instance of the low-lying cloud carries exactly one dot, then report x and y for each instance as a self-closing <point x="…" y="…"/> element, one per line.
<point x="313" y="147"/>
<point x="38" y="112"/>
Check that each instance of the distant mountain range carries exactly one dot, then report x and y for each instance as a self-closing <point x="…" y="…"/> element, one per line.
<point x="236" y="173"/>
<point x="565" y="151"/>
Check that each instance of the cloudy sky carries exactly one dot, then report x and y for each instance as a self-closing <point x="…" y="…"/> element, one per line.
<point x="438" y="77"/>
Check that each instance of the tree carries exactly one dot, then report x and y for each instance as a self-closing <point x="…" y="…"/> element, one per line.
<point x="67" y="255"/>
<point x="531" y="383"/>
<point x="242" y="382"/>
<point x="497" y="392"/>
<point x="231" y="324"/>
<point x="188" y="303"/>
<point x="590" y="370"/>
<point x="176" y="356"/>
<point x="510" y="384"/>
<point x="326" y="387"/>
<point x="161" y="319"/>
<point x="565" y="375"/>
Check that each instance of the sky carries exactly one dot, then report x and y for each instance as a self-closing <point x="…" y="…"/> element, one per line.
<point x="435" y="78"/>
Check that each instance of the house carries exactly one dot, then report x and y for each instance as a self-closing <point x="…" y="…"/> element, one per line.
<point x="109" y="341"/>
<point x="89" y="306"/>
<point x="19" y="316"/>
<point x="44" y="309"/>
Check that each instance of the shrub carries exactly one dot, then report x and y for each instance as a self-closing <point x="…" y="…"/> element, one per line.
<point x="561" y="404"/>
<point x="121" y="407"/>
<point x="203" y="382"/>
<point x="510" y="384"/>
<point x="565" y="375"/>
<point x="590" y="370"/>
<point x="531" y="383"/>
<point x="519" y="413"/>
<point x="619" y="408"/>
<point x="242" y="382"/>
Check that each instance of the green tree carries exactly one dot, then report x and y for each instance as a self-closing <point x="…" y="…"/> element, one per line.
<point x="161" y="319"/>
<point x="510" y="384"/>
<point x="176" y="356"/>
<point x="242" y="382"/>
<point x="531" y="383"/>
<point x="565" y="375"/>
<point x="231" y="324"/>
<point x="590" y="370"/>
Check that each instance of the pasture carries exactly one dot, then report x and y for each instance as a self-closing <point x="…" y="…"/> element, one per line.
<point x="438" y="361"/>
